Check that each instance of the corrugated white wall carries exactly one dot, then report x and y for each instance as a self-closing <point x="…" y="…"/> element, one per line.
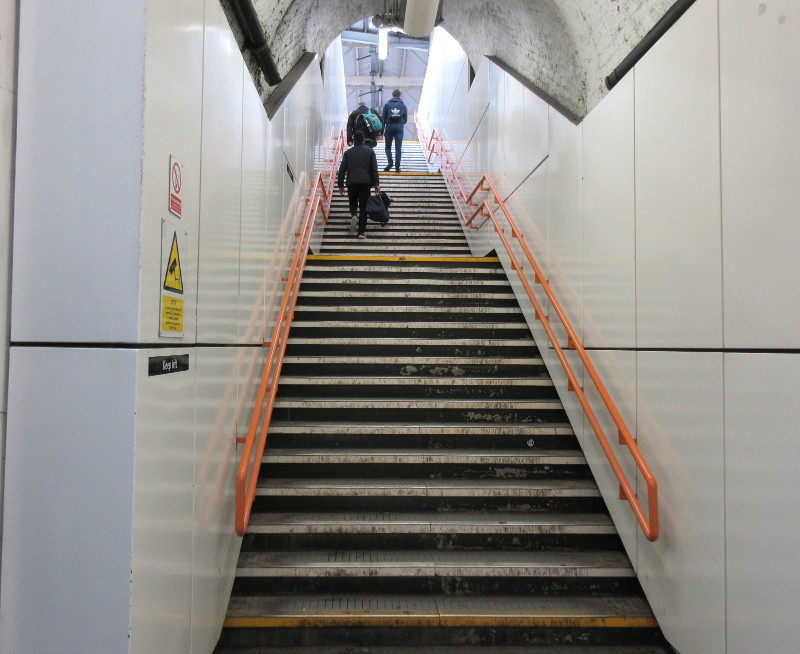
<point x="667" y="223"/>
<point x="119" y="496"/>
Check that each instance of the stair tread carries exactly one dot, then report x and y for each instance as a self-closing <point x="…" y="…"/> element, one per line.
<point x="467" y="522"/>
<point x="317" y="455"/>
<point x="432" y="487"/>
<point x="391" y="340"/>
<point x="366" y="293"/>
<point x="399" y="324"/>
<point x="261" y="605"/>
<point x="443" y="649"/>
<point x="413" y="359"/>
<point x="381" y="428"/>
<point x="388" y="403"/>
<point x="414" y="308"/>
<point x="362" y="563"/>
<point x="421" y="455"/>
<point x="410" y="380"/>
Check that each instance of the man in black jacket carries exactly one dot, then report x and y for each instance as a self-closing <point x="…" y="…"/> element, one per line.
<point x="360" y="166"/>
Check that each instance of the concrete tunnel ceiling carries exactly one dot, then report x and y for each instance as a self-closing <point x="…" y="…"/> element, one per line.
<point x="563" y="48"/>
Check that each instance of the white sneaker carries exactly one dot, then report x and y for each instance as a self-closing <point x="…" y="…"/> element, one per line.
<point x="353" y="225"/>
<point x="364" y="236"/>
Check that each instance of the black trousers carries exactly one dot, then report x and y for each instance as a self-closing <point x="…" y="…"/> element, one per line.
<point x="358" y="194"/>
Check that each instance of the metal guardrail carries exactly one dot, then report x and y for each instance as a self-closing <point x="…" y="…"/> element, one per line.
<point x="318" y="202"/>
<point x="435" y="145"/>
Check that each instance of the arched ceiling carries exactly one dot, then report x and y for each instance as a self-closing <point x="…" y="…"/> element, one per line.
<point x="564" y="48"/>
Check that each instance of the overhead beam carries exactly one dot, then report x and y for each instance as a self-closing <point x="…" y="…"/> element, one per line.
<point x="371" y="38"/>
<point x="406" y="82"/>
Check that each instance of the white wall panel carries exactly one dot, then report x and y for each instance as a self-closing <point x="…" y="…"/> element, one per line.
<point x="297" y="113"/>
<point x="678" y="238"/>
<point x="456" y="129"/>
<point x="78" y="172"/>
<point x="8" y="45"/>
<point x="680" y="430"/>
<point x="563" y="266"/>
<point x="443" y="105"/>
<point x="761" y="502"/>
<point x="68" y="501"/>
<point x="535" y="142"/>
<point x="512" y="136"/>
<point x="494" y="137"/>
<point x="253" y="246"/>
<point x="215" y="550"/>
<point x="566" y="229"/>
<point x="335" y="104"/>
<point x="609" y="230"/>
<point x="760" y="98"/>
<point x="474" y="158"/>
<point x="8" y="58"/>
<point x="174" y="86"/>
<point x="7" y="101"/>
<point x="276" y="209"/>
<point x="221" y="180"/>
<point x="528" y="206"/>
<point x="161" y="587"/>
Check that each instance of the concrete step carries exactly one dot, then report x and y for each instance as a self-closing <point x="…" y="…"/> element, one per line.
<point x="429" y="523"/>
<point x="435" y="457"/>
<point x="426" y="488"/>
<point x="433" y="563"/>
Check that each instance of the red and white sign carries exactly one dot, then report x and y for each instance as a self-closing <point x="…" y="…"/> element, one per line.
<point x="175" y="186"/>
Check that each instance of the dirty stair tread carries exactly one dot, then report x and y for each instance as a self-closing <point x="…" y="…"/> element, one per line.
<point x="411" y="380"/>
<point x="384" y="428"/>
<point x="443" y="605"/>
<point x="343" y="455"/>
<point x="378" y="403"/>
<point x="346" y="648"/>
<point x="388" y="522"/>
<point x="370" y="563"/>
<point x="427" y="488"/>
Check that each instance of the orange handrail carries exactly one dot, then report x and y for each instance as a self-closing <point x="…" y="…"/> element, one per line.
<point x="649" y="523"/>
<point x="256" y="439"/>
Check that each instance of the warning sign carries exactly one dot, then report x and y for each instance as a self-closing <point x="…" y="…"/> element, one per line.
<point x="172" y="276"/>
<point x="171" y="314"/>
<point x="175" y="186"/>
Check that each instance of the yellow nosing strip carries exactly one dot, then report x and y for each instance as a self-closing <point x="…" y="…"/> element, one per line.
<point x="338" y="257"/>
<point x="434" y="619"/>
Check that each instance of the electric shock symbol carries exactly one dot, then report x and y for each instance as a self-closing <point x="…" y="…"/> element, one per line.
<point x="172" y="279"/>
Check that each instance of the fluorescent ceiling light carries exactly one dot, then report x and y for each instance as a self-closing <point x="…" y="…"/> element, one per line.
<point x="383" y="43"/>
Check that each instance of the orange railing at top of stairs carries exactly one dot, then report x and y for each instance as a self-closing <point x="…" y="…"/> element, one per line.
<point x="317" y="202"/>
<point x="435" y="145"/>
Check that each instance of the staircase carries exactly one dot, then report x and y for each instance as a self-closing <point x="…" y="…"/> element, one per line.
<point x="422" y="488"/>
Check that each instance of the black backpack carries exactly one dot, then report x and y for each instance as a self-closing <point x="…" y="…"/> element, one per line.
<point x="395" y="114"/>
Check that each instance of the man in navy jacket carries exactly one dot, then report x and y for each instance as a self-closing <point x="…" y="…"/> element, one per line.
<point x="395" y="117"/>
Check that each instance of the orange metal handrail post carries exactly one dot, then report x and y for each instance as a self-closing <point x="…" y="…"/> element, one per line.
<point x="649" y="523"/>
<point x="256" y="439"/>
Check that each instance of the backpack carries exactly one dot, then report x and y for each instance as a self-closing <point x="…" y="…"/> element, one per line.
<point x="395" y="114"/>
<point x="372" y="123"/>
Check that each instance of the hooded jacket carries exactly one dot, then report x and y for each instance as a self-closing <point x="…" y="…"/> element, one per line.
<point x="394" y="109"/>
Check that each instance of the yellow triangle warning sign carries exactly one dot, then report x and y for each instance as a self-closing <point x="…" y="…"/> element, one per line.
<point x="172" y="278"/>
